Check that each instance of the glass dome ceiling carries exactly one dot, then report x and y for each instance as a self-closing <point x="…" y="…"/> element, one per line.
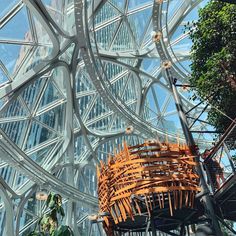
<point x="76" y="80"/>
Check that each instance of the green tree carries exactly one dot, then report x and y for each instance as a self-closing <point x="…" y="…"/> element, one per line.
<point x="214" y="60"/>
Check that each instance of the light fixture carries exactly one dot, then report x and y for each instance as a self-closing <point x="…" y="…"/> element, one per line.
<point x="156" y="36"/>
<point x="129" y="129"/>
<point x="166" y="64"/>
<point x="93" y="217"/>
<point x="184" y="88"/>
<point x="41" y="195"/>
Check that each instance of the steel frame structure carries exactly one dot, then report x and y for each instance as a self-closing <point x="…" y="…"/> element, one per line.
<point x="83" y="72"/>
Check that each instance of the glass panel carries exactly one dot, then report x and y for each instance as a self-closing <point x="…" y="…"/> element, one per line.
<point x="119" y="85"/>
<point x="31" y="93"/>
<point x="54" y="118"/>
<point x="118" y="124"/>
<point x="80" y="146"/>
<point x="13" y="55"/>
<point x="112" y="70"/>
<point x="76" y="124"/>
<point x="51" y="94"/>
<point x="42" y="35"/>
<point x="17" y="28"/>
<point x="62" y="12"/>
<point x="37" y="135"/>
<point x="138" y="3"/>
<point x="84" y="103"/>
<point x="149" y="65"/>
<point x="119" y="4"/>
<point x="15" y="131"/>
<point x="15" y="109"/>
<point x="131" y="89"/>
<point x="106" y="13"/>
<point x="6" y="174"/>
<point x="98" y="108"/>
<point x="83" y="82"/>
<point x="55" y="9"/>
<point x="139" y="23"/>
<point x="148" y="38"/>
<point x="102" y="124"/>
<point x="40" y="155"/>
<point x="19" y="180"/>
<point x="3" y="77"/>
<point x="104" y="36"/>
<point x="90" y="176"/>
<point x="123" y="40"/>
<point x="6" y="6"/>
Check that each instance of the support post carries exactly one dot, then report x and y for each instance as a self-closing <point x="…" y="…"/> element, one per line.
<point x="190" y="141"/>
<point x="147" y="228"/>
<point x="154" y="231"/>
<point x="229" y="158"/>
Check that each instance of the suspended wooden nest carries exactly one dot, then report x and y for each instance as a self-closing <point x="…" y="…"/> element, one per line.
<point x="146" y="178"/>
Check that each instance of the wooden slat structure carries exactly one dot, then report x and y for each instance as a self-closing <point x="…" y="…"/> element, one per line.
<point x="144" y="178"/>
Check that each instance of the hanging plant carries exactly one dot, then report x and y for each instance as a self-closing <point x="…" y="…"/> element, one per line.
<point x="48" y="223"/>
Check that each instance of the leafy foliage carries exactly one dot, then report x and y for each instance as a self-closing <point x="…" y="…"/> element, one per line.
<point x="48" y="223"/>
<point x="214" y="60"/>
